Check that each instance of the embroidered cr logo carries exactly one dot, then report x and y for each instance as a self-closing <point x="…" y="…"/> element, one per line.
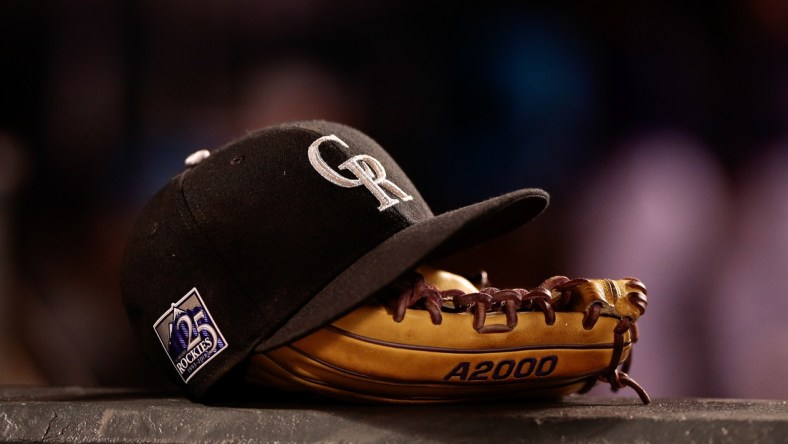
<point x="368" y="170"/>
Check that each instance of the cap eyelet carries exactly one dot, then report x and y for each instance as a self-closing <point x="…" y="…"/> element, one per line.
<point x="236" y="160"/>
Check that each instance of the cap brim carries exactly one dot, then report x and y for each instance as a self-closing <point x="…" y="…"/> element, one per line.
<point x="447" y="232"/>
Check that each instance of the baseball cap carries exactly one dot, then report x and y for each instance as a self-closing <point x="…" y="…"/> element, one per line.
<point x="278" y="233"/>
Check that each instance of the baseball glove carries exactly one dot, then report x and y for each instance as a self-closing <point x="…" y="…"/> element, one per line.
<point x="435" y="338"/>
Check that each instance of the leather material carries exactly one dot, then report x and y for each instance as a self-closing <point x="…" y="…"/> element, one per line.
<point x="366" y="355"/>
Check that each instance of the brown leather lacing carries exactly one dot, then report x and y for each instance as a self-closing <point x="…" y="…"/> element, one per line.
<point x="510" y="301"/>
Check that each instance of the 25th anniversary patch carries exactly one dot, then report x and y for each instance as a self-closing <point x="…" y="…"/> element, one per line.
<point x="189" y="335"/>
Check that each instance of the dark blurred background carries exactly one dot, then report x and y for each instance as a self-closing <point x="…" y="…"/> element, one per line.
<point x="660" y="129"/>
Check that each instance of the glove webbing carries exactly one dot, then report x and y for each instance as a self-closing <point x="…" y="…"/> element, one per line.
<point x="510" y="301"/>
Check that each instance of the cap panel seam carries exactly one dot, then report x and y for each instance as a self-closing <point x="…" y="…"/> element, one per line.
<point x="224" y="262"/>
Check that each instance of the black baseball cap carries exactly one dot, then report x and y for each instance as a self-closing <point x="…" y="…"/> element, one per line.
<point x="278" y="233"/>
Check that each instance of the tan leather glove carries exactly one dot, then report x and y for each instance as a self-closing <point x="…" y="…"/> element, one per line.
<point x="440" y="339"/>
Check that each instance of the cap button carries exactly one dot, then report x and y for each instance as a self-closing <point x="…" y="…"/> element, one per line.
<point x="197" y="157"/>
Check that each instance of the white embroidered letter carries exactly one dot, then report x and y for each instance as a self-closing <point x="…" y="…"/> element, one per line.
<point x="368" y="171"/>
